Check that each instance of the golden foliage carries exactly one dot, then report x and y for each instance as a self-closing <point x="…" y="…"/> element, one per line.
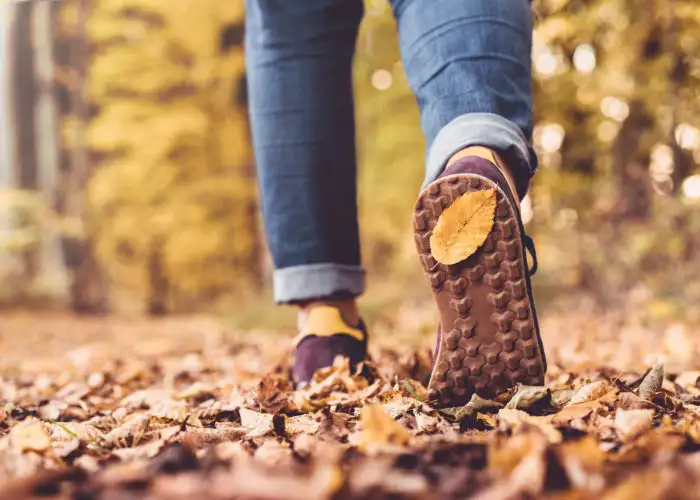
<point x="175" y="183"/>
<point x="463" y="226"/>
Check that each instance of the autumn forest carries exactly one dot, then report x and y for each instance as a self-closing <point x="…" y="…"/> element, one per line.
<point x="141" y="355"/>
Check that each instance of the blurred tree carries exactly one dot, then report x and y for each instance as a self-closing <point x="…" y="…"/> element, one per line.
<point x="89" y="285"/>
<point x="172" y="197"/>
<point x="157" y="188"/>
<point x="24" y="92"/>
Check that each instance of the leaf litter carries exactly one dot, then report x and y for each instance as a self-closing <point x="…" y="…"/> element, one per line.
<point x="227" y="423"/>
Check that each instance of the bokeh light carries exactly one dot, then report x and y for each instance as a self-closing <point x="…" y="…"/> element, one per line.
<point x="585" y="58"/>
<point x="382" y="79"/>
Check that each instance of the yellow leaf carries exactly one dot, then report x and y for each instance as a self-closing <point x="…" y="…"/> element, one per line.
<point x="379" y="428"/>
<point x="463" y="226"/>
<point x="30" y="435"/>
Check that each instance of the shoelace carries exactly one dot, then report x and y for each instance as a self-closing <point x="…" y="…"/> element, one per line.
<point x="530" y="247"/>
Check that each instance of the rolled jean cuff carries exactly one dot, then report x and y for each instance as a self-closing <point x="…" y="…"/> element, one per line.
<point x="313" y="281"/>
<point x="482" y="129"/>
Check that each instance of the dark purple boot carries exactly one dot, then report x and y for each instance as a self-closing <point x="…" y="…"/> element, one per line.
<point x="488" y="339"/>
<point x="326" y="336"/>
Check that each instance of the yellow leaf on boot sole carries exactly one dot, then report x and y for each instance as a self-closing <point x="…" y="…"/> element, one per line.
<point x="463" y="226"/>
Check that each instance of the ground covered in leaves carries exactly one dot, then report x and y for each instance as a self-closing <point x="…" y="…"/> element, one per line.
<point x="123" y="411"/>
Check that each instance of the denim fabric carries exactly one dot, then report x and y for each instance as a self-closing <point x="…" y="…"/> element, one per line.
<point x="468" y="62"/>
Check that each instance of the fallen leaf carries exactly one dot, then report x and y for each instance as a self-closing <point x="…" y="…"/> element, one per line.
<point x="147" y="450"/>
<point x="379" y="428"/>
<point x="476" y="404"/>
<point x="505" y="454"/>
<point x="518" y="418"/>
<point x="258" y="424"/>
<point x="529" y="475"/>
<point x="399" y="406"/>
<point x="688" y="379"/>
<point x="527" y="397"/>
<point x="169" y="409"/>
<point x="521" y="460"/>
<point x="425" y="422"/>
<point x="561" y="397"/>
<point x="589" y="392"/>
<point x="582" y="460"/>
<point x="630" y="401"/>
<point x="630" y="424"/>
<point x="463" y="226"/>
<point x="29" y="435"/>
<point x="416" y="390"/>
<point x="302" y="424"/>
<point x="272" y="453"/>
<point x="224" y="431"/>
<point x="652" y="382"/>
<point x="128" y="433"/>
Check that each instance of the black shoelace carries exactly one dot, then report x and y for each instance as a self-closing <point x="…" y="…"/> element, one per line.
<point x="530" y="247"/>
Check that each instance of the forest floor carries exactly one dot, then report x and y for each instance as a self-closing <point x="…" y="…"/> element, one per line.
<point x="183" y="408"/>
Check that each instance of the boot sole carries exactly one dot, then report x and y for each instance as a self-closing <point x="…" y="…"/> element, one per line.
<point x="489" y="338"/>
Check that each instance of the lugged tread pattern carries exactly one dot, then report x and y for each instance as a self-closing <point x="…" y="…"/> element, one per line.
<point x="489" y="339"/>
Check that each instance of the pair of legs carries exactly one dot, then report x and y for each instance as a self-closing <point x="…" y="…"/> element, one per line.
<point x="468" y="63"/>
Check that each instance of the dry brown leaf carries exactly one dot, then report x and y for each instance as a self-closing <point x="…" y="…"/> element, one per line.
<point x="518" y="418"/>
<point x="630" y="424"/>
<point x="630" y="401"/>
<point x="379" y="428"/>
<point x="425" y="422"/>
<point x="520" y="461"/>
<point x="29" y="435"/>
<point x="590" y="392"/>
<point x="582" y="460"/>
<point x="652" y="382"/>
<point x="562" y="397"/>
<point x="527" y="397"/>
<point x="144" y="398"/>
<point x="572" y="412"/>
<point x="463" y="226"/>
<point x="505" y="454"/>
<point x="169" y="409"/>
<point x="302" y="424"/>
<point x="272" y="453"/>
<point x="415" y="389"/>
<point x="147" y="450"/>
<point x="129" y="433"/>
<point x="224" y="431"/>
<point x="688" y="379"/>
<point x="311" y="455"/>
<point x="476" y="404"/>
<point x="529" y="475"/>
<point x="258" y="424"/>
<point x="400" y="405"/>
<point x="651" y="485"/>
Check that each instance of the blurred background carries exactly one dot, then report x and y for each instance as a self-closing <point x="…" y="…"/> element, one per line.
<point x="127" y="179"/>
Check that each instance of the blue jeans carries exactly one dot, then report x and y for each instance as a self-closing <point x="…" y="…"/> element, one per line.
<point x="467" y="61"/>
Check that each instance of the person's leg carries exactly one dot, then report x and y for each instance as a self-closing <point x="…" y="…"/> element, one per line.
<point x="299" y="62"/>
<point x="468" y="63"/>
<point x="469" y="66"/>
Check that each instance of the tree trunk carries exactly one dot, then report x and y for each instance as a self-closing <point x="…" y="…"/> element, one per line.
<point x="158" y="286"/>
<point x="88" y="290"/>
<point x="631" y="166"/>
<point x="46" y="133"/>
<point x="23" y="94"/>
<point x="6" y="173"/>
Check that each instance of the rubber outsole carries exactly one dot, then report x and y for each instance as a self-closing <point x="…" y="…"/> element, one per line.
<point x="489" y="339"/>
